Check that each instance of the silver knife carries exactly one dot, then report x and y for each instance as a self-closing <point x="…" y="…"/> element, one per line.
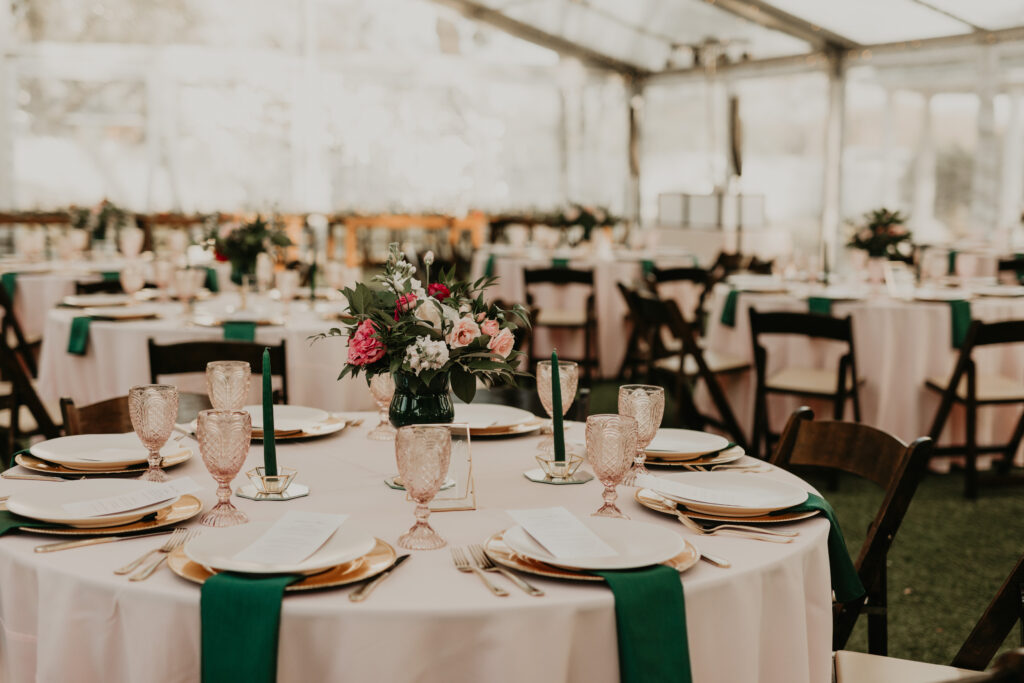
<point x="360" y="594"/>
<point x="97" y="540"/>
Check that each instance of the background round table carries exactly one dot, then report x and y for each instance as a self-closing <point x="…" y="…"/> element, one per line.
<point x="117" y="356"/>
<point x="66" y="616"/>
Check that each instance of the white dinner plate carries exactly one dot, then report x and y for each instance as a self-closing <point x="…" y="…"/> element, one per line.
<point x="489" y="415"/>
<point x="684" y="444"/>
<point x="94" y="300"/>
<point x="289" y="418"/>
<point x="1000" y="290"/>
<point x="46" y="502"/>
<point x="216" y="548"/>
<point x="638" y="544"/>
<point x="122" y="312"/>
<point x="100" y="451"/>
<point x="733" y="494"/>
<point x="934" y="295"/>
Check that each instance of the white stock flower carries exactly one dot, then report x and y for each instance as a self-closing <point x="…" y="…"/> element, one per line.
<point x="424" y="354"/>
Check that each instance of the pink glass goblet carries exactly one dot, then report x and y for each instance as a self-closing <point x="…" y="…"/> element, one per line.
<point x="382" y="388"/>
<point x="423" y="453"/>
<point x="646" y="404"/>
<point x="611" y="446"/>
<point x="153" y="409"/>
<point x="227" y="383"/>
<point x="224" y="442"/>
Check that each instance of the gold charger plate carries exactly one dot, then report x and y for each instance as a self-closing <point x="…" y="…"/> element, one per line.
<point x="374" y="562"/>
<point x="328" y="427"/>
<point x="31" y="462"/>
<point x="718" y="459"/>
<point x="509" y="430"/>
<point x="498" y="551"/>
<point x="184" y="508"/>
<point x="650" y="501"/>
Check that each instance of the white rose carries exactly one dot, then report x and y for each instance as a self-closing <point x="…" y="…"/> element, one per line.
<point x="429" y="312"/>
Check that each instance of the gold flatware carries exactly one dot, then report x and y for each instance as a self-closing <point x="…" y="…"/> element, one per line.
<point x="178" y="536"/>
<point x="67" y="545"/>
<point x="754" y="533"/>
<point x="32" y="477"/>
<point x="361" y="593"/>
<point x="171" y="544"/>
<point x="463" y="564"/>
<point x="487" y="564"/>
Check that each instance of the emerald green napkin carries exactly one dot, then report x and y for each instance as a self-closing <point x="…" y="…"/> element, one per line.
<point x="559" y="263"/>
<point x="9" y="521"/>
<point x="820" y="305"/>
<point x="647" y="266"/>
<point x="951" y="264"/>
<point x="78" y="340"/>
<point x="845" y="582"/>
<point x="650" y="617"/>
<point x="212" y="283"/>
<point x="489" y="267"/>
<point x="238" y="330"/>
<point x="240" y="617"/>
<point x="960" y="312"/>
<point x="111" y="276"/>
<point x="1019" y="273"/>
<point x="10" y="283"/>
<point x="729" y="309"/>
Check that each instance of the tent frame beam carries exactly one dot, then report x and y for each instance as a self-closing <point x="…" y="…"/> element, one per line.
<point x="772" y="17"/>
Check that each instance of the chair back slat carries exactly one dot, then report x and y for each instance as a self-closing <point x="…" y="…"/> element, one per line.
<point x="185" y="357"/>
<point x="106" y="417"/>
<point x="698" y="276"/>
<point x="558" y="276"/>
<point x="1005" y="332"/>
<point x="100" y="287"/>
<point x="804" y="324"/>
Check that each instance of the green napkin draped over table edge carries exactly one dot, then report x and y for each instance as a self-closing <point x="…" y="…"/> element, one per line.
<point x="10" y="283"/>
<point x="729" y="309"/>
<point x="240" y="618"/>
<point x="647" y="267"/>
<point x="78" y="339"/>
<point x="650" y="619"/>
<point x="239" y="330"/>
<point x="820" y="305"/>
<point x="111" y="276"/>
<point x="960" y="313"/>
<point x="489" y="266"/>
<point x="212" y="283"/>
<point x="559" y="263"/>
<point x="9" y="521"/>
<point x="951" y="262"/>
<point x="845" y="582"/>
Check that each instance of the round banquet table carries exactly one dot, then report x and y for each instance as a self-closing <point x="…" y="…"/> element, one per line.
<point x="898" y="343"/>
<point x="117" y="357"/>
<point x="66" y="616"/>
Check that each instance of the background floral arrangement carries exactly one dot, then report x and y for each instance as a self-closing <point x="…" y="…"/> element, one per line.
<point x="242" y="243"/>
<point x="97" y="219"/>
<point x="430" y="331"/>
<point x="881" y="234"/>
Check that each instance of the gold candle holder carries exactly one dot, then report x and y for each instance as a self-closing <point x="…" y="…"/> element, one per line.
<point x="280" y="486"/>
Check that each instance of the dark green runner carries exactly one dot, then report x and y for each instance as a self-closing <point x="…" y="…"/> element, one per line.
<point x="729" y="309"/>
<point x="212" y="283"/>
<point x="845" y="582"/>
<point x="650" y="617"/>
<point x="559" y="263"/>
<point x="239" y="331"/>
<point x="960" y="312"/>
<point x="10" y="283"/>
<point x="78" y="340"/>
<point x="240" y="617"/>
<point x="820" y="305"/>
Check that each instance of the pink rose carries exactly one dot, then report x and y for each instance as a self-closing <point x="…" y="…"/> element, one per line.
<point x="464" y="332"/>
<point x="480" y="317"/>
<point x="503" y="343"/>
<point x="406" y="302"/>
<point x="490" y="327"/>
<point x="364" y="347"/>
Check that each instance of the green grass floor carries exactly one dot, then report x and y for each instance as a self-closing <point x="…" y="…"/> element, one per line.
<point x="948" y="560"/>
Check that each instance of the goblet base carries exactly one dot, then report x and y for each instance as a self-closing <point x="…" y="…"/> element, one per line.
<point x="609" y="510"/>
<point x="421" y="537"/>
<point x="154" y="474"/>
<point x="223" y="514"/>
<point x="385" y="431"/>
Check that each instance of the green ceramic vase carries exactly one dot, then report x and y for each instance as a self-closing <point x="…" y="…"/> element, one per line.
<point x="416" y="402"/>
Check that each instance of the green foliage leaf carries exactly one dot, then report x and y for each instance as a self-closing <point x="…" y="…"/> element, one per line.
<point x="463" y="383"/>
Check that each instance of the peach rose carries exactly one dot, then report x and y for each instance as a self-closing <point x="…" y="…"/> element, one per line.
<point x="364" y="347"/>
<point x="503" y="343"/>
<point x="463" y="333"/>
<point x="490" y="327"/>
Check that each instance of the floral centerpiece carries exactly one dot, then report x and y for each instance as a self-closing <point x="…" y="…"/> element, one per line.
<point x="100" y="220"/>
<point x="881" y="234"/>
<point x="241" y="243"/>
<point x="434" y="337"/>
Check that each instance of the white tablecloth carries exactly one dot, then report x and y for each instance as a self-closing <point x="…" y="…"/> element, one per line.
<point x="67" y="617"/>
<point x="898" y="344"/>
<point x="117" y="356"/>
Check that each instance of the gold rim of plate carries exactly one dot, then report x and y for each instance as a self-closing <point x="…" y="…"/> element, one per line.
<point x="31" y="462"/>
<point x="757" y="519"/>
<point x="696" y="462"/>
<point x="498" y="551"/>
<point x="378" y="560"/>
<point x="508" y="430"/>
<point x="184" y="508"/>
<point x="219" y="322"/>
<point x="327" y="429"/>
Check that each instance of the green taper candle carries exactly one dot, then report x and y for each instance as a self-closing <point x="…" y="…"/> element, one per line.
<point x="556" y="407"/>
<point x="269" y="447"/>
<point x="312" y="279"/>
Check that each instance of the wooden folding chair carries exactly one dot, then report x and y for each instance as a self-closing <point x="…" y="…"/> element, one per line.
<point x="14" y="336"/>
<point x="880" y="458"/>
<point x="99" y="287"/>
<point x="838" y="385"/>
<point x="584" y="320"/>
<point x="698" y="278"/>
<point x="22" y="403"/>
<point x="972" y="390"/>
<point x="176" y="359"/>
<point x="113" y="417"/>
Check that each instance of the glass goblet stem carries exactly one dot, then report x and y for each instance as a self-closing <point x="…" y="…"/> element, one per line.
<point x="155" y="473"/>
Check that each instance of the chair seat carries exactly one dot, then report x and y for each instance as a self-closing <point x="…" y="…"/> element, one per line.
<point x="717" y="362"/>
<point x="858" y="667"/>
<point x="555" y="318"/>
<point x="989" y="388"/>
<point x="805" y="381"/>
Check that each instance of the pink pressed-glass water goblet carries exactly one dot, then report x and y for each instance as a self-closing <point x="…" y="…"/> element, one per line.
<point x="382" y="388"/>
<point x="611" y="446"/>
<point x="423" y="453"/>
<point x="227" y="383"/>
<point x="646" y="404"/>
<point x="153" y="409"/>
<point x="224" y="442"/>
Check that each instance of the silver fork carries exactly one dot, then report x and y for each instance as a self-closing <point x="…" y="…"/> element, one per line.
<point x="164" y="552"/>
<point x="463" y="564"/>
<point x="176" y="535"/>
<point x="487" y="564"/>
